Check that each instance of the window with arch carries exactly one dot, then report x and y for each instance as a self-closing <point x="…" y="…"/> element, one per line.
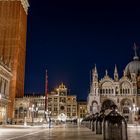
<point x="103" y="91"/>
<point x="125" y="91"/>
<point x="106" y="91"/>
<point x="100" y="91"/>
<point x="128" y="91"/>
<point x="112" y="90"/>
<point x="21" y="112"/>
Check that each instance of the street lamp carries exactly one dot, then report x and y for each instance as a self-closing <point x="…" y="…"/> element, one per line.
<point x="3" y="107"/>
<point x="33" y="110"/>
<point x="48" y="113"/>
<point x="0" y="106"/>
<point x="134" y="109"/>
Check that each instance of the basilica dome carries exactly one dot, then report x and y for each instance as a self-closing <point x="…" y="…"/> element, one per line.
<point x="133" y="66"/>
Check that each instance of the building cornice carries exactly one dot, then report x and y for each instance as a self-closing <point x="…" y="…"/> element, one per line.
<point x="24" y="3"/>
<point x="4" y="72"/>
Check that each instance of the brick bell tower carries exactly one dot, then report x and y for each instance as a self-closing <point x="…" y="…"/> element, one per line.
<point x="13" y="28"/>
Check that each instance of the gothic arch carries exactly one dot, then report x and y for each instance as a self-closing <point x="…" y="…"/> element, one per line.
<point x="103" y="82"/>
<point x="124" y="100"/>
<point x="122" y="81"/>
<point x="94" y="106"/>
<point x="125" y="105"/>
<point x="94" y="102"/>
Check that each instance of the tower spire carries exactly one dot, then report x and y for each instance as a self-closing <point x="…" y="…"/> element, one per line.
<point x="116" y="73"/>
<point x="106" y="72"/>
<point x="95" y="74"/>
<point x="95" y="69"/>
<point x="135" y="51"/>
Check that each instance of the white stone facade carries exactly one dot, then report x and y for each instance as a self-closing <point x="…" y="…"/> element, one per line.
<point x="30" y="108"/>
<point x="123" y="92"/>
<point x="5" y="76"/>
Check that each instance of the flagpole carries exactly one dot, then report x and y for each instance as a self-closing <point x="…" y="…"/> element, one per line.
<point x="46" y="93"/>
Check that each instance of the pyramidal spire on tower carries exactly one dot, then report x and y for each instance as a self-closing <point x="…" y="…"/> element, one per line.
<point x="135" y="51"/>
<point x="95" y="69"/>
<point x="106" y="73"/>
<point x="116" y="76"/>
<point x="95" y="73"/>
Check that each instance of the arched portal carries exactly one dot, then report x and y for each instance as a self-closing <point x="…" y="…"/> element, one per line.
<point x="94" y="107"/>
<point x="125" y="106"/>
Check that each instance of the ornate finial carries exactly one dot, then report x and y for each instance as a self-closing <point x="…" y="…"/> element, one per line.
<point x="135" y="50"/>
<point x="106" y="72"/>
<point x="124" y="73"/>
<point x="95" y="69"/>
<point x="115" y="71"/>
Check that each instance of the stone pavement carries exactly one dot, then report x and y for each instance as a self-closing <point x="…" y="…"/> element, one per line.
<point x="60" y="132"/>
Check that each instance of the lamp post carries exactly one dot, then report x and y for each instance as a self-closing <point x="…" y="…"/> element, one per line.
<point x="3" y="109"/>
<point x="134" y="109"/>
<point x="33" y="110"/>
<point x="3" y="106"/>
<point x="48" y="115"/>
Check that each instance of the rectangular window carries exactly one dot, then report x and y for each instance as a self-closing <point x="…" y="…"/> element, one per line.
<point x="49" y="99"/>
<point x="55" y="109"/>
<point x="69" y="109"/>
<point x="73" y="114"/>
<point x="55" y="99"/>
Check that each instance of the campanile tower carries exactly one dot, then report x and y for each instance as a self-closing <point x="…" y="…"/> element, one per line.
<point x="13" y="27"/>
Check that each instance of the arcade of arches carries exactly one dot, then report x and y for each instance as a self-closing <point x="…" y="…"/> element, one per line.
<point x="126" y="107"/>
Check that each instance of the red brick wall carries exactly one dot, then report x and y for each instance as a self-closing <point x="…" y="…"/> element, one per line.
<point x="13" y="22"/>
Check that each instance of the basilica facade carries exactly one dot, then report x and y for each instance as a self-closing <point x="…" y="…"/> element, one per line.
<point x="124" y="92"/>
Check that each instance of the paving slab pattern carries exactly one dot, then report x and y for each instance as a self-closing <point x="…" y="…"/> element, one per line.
<point x="62" y="132"/>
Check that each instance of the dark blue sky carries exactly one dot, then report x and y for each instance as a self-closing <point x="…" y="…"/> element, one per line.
<point x="68" y="37"/>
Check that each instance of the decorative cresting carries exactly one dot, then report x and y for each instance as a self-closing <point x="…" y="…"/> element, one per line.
<point x="99" y="122"/>
<point x="115" y="126"/>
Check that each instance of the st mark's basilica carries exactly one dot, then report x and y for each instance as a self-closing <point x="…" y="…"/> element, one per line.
<point x="124" y="92"/>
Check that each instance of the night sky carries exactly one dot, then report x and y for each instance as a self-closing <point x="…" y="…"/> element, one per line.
<point x="69" y="37"/>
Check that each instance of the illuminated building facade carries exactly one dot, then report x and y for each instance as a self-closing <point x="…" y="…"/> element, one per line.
<point x="60" y="106"/>
<point x="123" y="92"/>
<point x="31" y="107"/>
<point x="5" y="76"/>
<point x="81" y="109"/>
<point x="13" y="24"/>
